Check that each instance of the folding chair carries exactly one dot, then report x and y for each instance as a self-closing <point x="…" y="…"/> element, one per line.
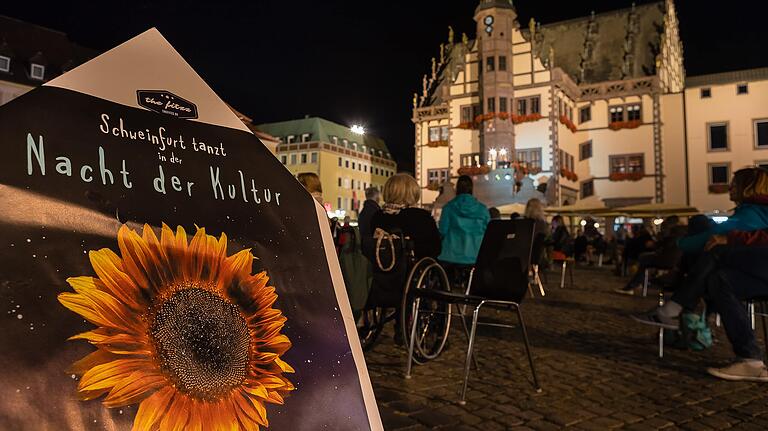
<point x="537" y="250"/>
<point x="499" y="279"/>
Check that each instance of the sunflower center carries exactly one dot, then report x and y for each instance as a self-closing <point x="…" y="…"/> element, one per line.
<point x="202" y="342"/>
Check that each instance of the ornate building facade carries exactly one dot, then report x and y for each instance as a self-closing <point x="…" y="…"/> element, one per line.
<point x="595" y="108"/>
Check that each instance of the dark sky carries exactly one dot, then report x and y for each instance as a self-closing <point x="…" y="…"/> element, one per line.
<point x="356" y="61"/>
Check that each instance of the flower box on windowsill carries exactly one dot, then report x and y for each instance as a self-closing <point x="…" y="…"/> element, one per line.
<point x="568" y="123"/>
<point x="569" y="174"/>
<point x="534" y="171"/>
<point x="632" y="176"/>
<point x="618" y="125"/>
<point x="718" y="188"/>
<point x="517" y="119"/>
<point x="474" y="170"/>
<point x="435" y="144"/>
<point x="468" y="126"/>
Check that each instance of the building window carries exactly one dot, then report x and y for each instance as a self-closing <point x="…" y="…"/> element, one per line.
<point x="617" y="114"/>
<point x="522" y="106"/>
<point x="335" y="141"/>
<point x="706" y="93"/>
<point x="293" y="158"/>
<point x="5" y="63"/>
<point x="719" y="174"/>
<point x="536" y="105"/>
<point x="489" y="64"/>
<point x="353" y="165"/>
<point x="438" y="176"/>
<point x="762" y="164"/>
<point x="567" y="161"/>
<point x="587" y="189"/>
<point x="284" y="159"/>
<point x="627" y="164"/>
<point x="502" y="63"/>
<point x="313" y="158"/>
<point x="365" y="168"/>
<point x="585" y="114"/>
<point x="339" y="161"/>
<point x="717" y="137"/>
<point x="303" y="158"/>
<point x="633" y="112"/>
<point x="37" y="71"/>
<point x="289" y="139"/>
<point x="761" y="133"/>
<point x="472" y="159"/>
<point x="502" y="104"/>
<point x="491" y="104"/>
<point x="585" y="150"/>
<point x="439" y="133"/>
<point x="305" y="137"/>
<point x="346" y="163"/>
<point x="338" y="203"/>
<point x="531" y="157"/>
<point x="742" y="89"/>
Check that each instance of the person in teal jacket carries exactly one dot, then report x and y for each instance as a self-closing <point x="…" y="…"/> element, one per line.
<point x="750" y="214"/>
<point x="462" y="225"/>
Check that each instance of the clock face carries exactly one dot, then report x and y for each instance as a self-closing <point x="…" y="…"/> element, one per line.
<point x="488" y="20"/>
<point x="489" y="29"/>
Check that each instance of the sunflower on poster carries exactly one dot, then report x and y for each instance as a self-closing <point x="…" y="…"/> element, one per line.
<point x="183" y="330"/>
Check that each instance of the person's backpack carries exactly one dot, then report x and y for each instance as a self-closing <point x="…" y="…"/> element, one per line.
<point x="694" y="333"/>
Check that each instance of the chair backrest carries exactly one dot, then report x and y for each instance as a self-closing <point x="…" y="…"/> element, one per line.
<point x="501" y="270"/>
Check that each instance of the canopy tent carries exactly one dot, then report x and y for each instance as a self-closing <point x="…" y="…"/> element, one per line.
<point x="579" y="208"/>
<point x="511" y="208"/>
<point x="658" y="209"/>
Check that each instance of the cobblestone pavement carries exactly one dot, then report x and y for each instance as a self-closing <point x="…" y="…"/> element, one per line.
<point x="599" y="370"/>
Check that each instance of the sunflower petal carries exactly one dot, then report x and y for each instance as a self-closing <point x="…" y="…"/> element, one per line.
<point x="134" y="388"/>
<point x="256" y="389"/>
<point x="109" y="268"/>
<point x="247" y="415"/>
<point x="177" y="416"/>
<point x="126" y="344"/>
<point x="95" y="336"/>
<point x="102" y="309"/>
<point x="258" y="412"/>
<point x="110" y="374"/>
<point x="91" y="360"/>
<point x="152" y="409"/>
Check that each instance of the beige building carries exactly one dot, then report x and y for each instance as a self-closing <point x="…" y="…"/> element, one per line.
<point x="346" y="162"/>
<point x="595" y="108"/>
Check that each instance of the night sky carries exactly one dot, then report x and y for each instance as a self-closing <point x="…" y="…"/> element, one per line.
<point x="356" y="62"/>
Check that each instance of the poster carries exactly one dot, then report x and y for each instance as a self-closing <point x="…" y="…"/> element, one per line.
<point x="159" y="267"/>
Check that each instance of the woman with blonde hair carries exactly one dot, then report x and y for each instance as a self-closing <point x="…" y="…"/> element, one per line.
<point x="534" y="210"/>
<point x="312" y="184"/>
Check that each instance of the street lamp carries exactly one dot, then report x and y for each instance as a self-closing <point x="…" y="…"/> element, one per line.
<point x="360" y="130"/>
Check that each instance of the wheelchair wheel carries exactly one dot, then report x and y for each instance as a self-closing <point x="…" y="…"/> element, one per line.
<point x="434" y="318"/>
<point x="369" y="326"/>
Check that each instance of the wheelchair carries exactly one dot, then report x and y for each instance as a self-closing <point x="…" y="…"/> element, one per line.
<point x="395" y="281"/>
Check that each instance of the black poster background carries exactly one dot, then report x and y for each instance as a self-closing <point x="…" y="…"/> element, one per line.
<point x="37" y="254"/>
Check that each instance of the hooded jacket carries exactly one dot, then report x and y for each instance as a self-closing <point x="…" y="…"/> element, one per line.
<point x="746" y="217"/>
<point x="462" y="226"/>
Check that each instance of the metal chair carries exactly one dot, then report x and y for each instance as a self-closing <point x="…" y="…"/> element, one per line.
<point x="499" y="279"/>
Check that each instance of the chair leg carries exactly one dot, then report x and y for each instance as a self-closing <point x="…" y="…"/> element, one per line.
<point x="466" y="332"/>
<point x="468" y="361"/>
<point x="645" y="283"/>
<point x="600" y="260"/>
<point x="661" y="330"/>
<point x="562" y="274"/>
<point x="528" y="349"/>
<point x="537" y="279"/>
<point x="751" y="312"/>
<point x="762" y="320"/>
<point x="412" y="340"/>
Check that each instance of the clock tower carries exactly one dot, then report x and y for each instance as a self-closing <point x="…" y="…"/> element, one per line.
<point x="496" y="20"/>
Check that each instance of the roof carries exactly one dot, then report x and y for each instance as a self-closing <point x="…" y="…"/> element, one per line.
<point x="737" y="76"/>
<point x="603" y="38"/>
<point x="322" y="130"/>
<point x="487" y="4"/>
<point x="24" y="43"/>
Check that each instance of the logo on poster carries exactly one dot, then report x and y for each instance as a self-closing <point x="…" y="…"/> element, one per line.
<point x="165" y="102"/>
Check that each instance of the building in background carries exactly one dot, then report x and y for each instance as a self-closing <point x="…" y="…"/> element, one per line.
<point x="595" y="108"/>
<point x="31" y="55"/>
<point x="346" y="162"/>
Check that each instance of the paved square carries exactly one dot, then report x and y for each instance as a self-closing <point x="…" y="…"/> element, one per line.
<point x="598" y="369"/>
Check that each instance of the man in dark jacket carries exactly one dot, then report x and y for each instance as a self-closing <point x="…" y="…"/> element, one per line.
<point x="370" y="207"/>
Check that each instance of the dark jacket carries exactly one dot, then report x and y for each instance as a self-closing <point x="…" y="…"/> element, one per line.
<point x="746" y="217"/>
<point x="370" y="207"/>
<point x="415" y="223"/>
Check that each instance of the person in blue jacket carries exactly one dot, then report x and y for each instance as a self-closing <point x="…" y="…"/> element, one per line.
<point x="462" y="225"/>
<point x="751" y="212"/>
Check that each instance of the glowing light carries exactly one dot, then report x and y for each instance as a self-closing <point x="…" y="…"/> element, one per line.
<point x="583" y="223"/>
<point x="507" y="177"/>
<point x="360" y="130"/>
<point x="658" y="221"/>
<point x="719" y="219"/>
<point x="492" y="152"/>
<point x="596" y="225"/>
<point x="503" y="152"/>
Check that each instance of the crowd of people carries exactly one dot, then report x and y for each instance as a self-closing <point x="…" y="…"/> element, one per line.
<point x="705" y="265"/>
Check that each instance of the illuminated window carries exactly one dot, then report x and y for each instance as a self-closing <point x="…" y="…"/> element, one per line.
<point x="37" y="71"/>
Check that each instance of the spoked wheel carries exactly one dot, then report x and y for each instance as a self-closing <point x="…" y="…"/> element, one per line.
<point x="434" y="318"/>
<point x="369" y="326"/>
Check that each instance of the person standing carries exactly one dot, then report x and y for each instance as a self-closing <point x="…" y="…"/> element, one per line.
<point x="370" y="207"/>
<point x="462" y="225"/>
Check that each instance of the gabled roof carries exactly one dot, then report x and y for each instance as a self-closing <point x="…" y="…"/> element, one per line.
<point x="24" y="43"/>
<point x="322" y="130"/>
<point x="608" y="35"/>
<point x="594" y="48"/>
<point x="738" y="76"/>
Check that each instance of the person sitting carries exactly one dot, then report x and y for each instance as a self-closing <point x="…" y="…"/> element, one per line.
<point x="494" y="213"/>
<point x="462" y="225"/>
<point x="560" y="239"/>
<point x="667" y="255"/>
<point x="400" y="214"/>
<point x="370" y="207"/>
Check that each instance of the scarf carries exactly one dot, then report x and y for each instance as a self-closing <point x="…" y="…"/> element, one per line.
<point x="393" y="209"/>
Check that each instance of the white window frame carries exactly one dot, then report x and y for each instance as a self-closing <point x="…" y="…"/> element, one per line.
<point x="34" y="67"/>
<point x="718" y="164"/>
<point x="727" y="137"/>
<point x="755" y="122"/>
<point x="289" y="139"/>
<point x="305" y="137"/>
<point x="7" y="61"/>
